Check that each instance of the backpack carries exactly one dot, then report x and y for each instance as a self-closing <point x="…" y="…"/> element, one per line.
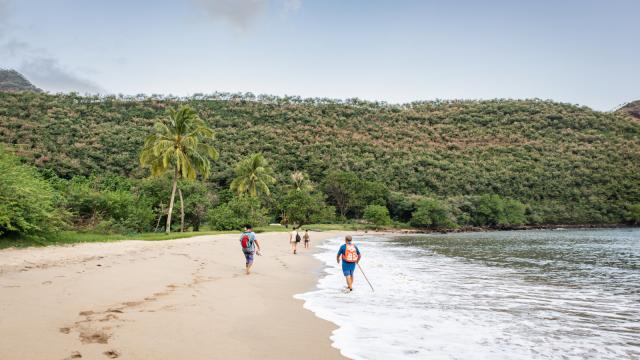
<point x="350" y="253"/>
<point x="298" y="237"/>
<point x="246" y="242"/>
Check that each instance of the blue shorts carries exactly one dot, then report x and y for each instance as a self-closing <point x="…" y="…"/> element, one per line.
<point x="348" y="268"/>
<point x="249" y="257"/>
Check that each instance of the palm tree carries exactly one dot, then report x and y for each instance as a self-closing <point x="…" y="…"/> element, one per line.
<point x="179" y="144"/>
<point x="253" y="177"/>
<point x="300" y="181"/>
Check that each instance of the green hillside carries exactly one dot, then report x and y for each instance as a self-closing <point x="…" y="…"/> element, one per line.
<point x="568" y="164"/>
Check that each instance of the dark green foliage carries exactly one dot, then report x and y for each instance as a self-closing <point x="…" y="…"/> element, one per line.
<point x="377" y="215"/>
<point x="237" y="212"/>
<point x="432" y="213"/>
<point x="222" y="217"/>
<point x="400" y="206"/>
<point x="350" y="193"/>
<point x="492" y="210"/>
<point x="303" y="207"/>
<point x="198" y="199"/>
<point x="567" y="164"/>
<point x="26" y="200"/>
<point x="633" y="214"/>
<point x="109" y="205"/>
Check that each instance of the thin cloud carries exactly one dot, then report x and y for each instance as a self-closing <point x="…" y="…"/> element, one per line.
<point x="44" y="70"/>
<point x="4" y="15"/>
<point x="48" y="74"/>
<point x="4" y="9"/>
<point x="292" y="5"/>
<point x="14" y="48"/>
<point x="242" y="14"/>
<point x="239" y="13"/>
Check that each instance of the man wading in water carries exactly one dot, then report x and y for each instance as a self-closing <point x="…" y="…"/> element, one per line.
<point x="350" y="255"/>
<point x="249" y="242"/>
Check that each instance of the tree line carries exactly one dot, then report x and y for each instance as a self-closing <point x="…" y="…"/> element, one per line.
<point x="430" y="164"/>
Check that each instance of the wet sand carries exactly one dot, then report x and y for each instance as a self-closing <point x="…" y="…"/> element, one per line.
<point x="177" y="299"/>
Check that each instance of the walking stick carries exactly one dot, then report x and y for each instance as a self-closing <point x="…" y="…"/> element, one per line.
<point x="365" y="276"/>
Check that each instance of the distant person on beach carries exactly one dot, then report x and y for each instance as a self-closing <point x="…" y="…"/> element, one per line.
<point x="249" y="243"/>
<point x="294" y="239"/>
<point x="306" y="239"/>
<point x="350" y="255"/>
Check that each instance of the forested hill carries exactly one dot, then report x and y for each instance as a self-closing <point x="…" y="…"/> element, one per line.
<point x="13" y="81"/>
<point x="568" y="163"/>
<point x="632" y="109"/>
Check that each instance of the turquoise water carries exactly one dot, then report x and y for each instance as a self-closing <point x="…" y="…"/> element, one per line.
<point x="566" y="294"/>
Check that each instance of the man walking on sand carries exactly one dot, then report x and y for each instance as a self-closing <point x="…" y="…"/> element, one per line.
<point x="249" y="242"/>
<point x="294" y="239"/>
<point x="306" y="238"/>
<point x="350" y="255"/>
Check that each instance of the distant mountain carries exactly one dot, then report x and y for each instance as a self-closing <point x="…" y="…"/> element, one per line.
<point x="632" y="108"/>
<point x="13" y="81"/>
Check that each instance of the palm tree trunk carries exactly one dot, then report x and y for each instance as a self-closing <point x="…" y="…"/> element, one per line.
<point x="181" y="210"/>
<point x="159" y="217"/>
<point x="173" y="196"/>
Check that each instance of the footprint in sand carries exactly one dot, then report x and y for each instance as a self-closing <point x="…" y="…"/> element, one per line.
<point x="109" y="317"/>
<point x="65" y="330"/>
<point x="112" y="354"/>
<point x="74" y="355"/>
<point x="93" y="337"/>
<point x="132" y="303"/>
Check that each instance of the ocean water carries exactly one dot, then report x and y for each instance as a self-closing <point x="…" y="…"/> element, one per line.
<point x="572" y="294"/>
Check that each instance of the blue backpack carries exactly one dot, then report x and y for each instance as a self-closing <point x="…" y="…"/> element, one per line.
<point x="247" y="242"/>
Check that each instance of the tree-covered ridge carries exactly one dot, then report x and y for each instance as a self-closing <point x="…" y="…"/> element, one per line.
<point x="567" y="163"/>
<point x="13" y="81"/>
<point x="632" y="109"/>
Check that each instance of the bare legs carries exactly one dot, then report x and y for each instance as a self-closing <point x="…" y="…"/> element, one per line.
<point x="294" y="246"/>
<point x="349" y="282"/>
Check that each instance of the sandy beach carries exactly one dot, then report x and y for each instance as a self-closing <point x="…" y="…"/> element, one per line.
<point x="178" y="299"/>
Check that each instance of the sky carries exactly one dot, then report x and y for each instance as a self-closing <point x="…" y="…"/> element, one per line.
<point x="577" y="51"/>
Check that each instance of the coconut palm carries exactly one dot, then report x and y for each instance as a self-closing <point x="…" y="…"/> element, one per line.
<point x="300" y="181"/>
<point x="178" y="144"/>
<point x="253" y="176"/>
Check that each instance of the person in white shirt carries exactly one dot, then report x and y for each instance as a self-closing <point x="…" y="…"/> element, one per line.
<point x="294" y="239"/>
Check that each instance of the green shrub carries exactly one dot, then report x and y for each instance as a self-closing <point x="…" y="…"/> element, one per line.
<point x="377" y="215"/>
<point x="237" y="212"/>
<point x="110" y="210"/>
<point x="26" y="200"/>
<point x="400" y="206"/>
<point x="494" y="211"/>
<point x="306" y="207"/>
<point x="222" y="217"/>
<point x="432" y="213"/>
<point x="633" y="214"/>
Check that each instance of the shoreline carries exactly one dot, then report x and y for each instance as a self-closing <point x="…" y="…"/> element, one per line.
<point x="466" y="229"/>
<point x="185" y="298"/>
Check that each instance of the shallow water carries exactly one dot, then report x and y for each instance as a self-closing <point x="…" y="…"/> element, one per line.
<point x="572" y="294"/>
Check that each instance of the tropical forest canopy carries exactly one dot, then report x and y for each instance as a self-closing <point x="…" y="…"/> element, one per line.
<point x="450" y="162"/>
